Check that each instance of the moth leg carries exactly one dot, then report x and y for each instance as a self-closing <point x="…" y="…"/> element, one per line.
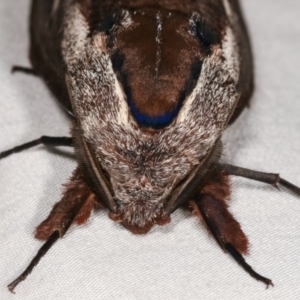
<point x="49" y="141"/>
<point x="210" y="205"/>
<point x="74" y="207"/>
<point x="241" y="261"/>
<point x="273" y="179"/>
<point x="42" y="251"/>
<point x="24" y="70"/>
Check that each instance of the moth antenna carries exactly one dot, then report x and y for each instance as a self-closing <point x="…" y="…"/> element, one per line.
<point x="48" y="141"/>
<point x="241" y="261"/>
<point x="24" y="70"/>
<point x="42" y="251"/>
<point x="270" y="178"/>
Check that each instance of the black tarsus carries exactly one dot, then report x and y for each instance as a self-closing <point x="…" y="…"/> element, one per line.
<point x="241" y="261"/>
<point x="23" y="70"/>
<point x="42" y="251"/>
<point x="43" y="140"/>
<point x="270" y="178"/>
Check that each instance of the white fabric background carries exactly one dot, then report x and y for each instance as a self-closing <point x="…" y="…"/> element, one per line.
<point x="102" y="260"/>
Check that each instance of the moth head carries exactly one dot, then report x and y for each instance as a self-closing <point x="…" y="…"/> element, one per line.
<point x="152" y="92"/>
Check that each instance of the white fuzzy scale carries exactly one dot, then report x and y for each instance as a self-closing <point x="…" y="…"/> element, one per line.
<point x="144" y="167"/>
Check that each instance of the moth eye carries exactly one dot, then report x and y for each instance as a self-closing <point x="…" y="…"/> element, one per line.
<point x="118" y="18"/>
<point x="107" y="25"/>
<point x="201" y="29"/>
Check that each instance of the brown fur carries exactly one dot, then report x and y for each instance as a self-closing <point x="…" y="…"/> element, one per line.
<point x="218" y="186"/>
<point x="98" y="10"/>
<point x="75" y="205"/>
<point x="86" y="210"/>
<point x="136" y="229"/>
<point x="211" y="207"/>
<point x="159" y="220"/>
<point x="150" y="66"/>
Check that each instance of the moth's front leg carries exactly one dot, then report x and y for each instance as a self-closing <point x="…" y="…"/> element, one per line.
<point x="24" y="70"/>
<point x="48" y="141"/>
<point x="210" y="205"/>
<point x="74" y="207"/>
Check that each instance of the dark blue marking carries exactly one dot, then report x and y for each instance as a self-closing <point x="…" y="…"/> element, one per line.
<point x="204" y="32"/>
<point x="145" y="120"/>
<point x="166" y="119"/>
<point x="157" y="122"/>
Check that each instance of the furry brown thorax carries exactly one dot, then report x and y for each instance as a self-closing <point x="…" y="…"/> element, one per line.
<point x="126" y="76"/>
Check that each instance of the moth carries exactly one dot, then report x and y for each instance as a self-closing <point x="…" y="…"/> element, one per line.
<point x="150" y="86"/>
